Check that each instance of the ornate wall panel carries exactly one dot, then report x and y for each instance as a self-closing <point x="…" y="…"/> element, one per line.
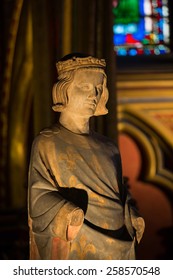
<point x="145" y="112"/>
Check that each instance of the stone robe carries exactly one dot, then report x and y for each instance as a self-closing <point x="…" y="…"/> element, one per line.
<point x="75" y="179"/>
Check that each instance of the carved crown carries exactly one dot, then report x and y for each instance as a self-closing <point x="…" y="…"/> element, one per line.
<point x="79" y="62"/>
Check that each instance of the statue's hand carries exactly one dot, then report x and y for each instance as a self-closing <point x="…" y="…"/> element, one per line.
<point x="139" y="225"/>
<point x="67" y="222"/>
<point x="75" y="222"/>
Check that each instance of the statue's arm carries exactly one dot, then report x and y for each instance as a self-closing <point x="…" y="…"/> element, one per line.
<point x="133" y="221"/>
<point x="136" y="220"/>
<point x="50" y="213"/>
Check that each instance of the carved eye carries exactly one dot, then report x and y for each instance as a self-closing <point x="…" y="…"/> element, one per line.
<point x="85" y="86"/>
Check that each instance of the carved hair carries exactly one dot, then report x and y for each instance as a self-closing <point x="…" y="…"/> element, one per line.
<point x="60" y="91"/>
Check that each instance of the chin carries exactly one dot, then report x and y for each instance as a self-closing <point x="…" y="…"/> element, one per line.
<point x="89" y="113"/>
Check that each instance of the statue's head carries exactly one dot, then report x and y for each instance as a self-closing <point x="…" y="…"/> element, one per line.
<point x="69" y="69"/>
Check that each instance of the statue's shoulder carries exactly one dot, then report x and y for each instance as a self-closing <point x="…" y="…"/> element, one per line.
<point x="105" y="140"/>
<point x="50" y="131"/>
<point x="45" y="137"/>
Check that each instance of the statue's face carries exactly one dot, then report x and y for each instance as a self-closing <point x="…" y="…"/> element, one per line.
<point x="85" y="91"/>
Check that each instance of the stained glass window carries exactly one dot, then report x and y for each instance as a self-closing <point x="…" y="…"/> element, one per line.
<point x="141" y="27"/>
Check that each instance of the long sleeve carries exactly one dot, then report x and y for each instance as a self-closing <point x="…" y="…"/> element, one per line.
<point x="46" y="204"/>
<point x="134" y="222"/>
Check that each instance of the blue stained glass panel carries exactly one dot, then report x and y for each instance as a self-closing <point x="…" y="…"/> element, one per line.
<point x="141" y="27"/>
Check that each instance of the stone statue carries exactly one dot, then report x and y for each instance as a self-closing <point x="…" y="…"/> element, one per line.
<point x="79" y="209"/>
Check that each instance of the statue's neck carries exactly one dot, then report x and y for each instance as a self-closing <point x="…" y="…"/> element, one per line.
<point x="75" y="123"/>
